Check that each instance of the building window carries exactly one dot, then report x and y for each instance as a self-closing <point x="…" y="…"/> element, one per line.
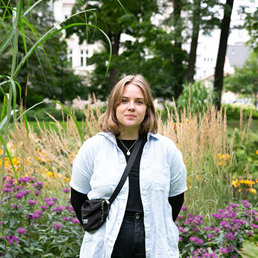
<point x="70" y="56"/>
<point x="84" y="56"/>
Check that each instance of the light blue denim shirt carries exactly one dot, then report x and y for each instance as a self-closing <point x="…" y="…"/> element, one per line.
<point x="97" y="170"/>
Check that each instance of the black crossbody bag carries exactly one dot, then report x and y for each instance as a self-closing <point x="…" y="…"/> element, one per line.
<point x="94" y="212"/>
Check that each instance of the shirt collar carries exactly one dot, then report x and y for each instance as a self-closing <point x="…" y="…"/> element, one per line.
<point x="112" y="137"/>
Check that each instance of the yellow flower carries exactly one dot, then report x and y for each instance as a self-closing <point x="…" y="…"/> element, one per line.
<point x="51" y="174"/>
<point x="1" y="152"/>
<point x="252" y="190"/>
<point x="256" y="152"/>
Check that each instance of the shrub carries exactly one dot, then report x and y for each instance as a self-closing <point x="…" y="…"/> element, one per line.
<point x="233" y="111"/>
<point x="34" y="226"/>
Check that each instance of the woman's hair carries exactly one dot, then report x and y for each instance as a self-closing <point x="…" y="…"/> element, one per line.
<point x="108" y="121"/>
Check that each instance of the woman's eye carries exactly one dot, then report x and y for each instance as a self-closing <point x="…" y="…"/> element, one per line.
<point x="139" y="102"/>
<point x="124" y="101"/>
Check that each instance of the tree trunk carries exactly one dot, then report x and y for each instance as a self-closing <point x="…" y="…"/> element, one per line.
<point x="194" y="41"/>
<point x="115" y="41"/>
<point x="177" y="60"/>
<point x="219" y="69"/>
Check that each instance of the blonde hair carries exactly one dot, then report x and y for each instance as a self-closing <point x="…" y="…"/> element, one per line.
<point x="108" y="121"/>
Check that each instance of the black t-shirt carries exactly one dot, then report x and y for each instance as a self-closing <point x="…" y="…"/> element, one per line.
<point x="134" y="203"/>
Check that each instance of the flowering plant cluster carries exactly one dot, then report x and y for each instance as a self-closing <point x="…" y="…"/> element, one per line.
<point x="34" y="225"/>
<point x="224" y="238"/>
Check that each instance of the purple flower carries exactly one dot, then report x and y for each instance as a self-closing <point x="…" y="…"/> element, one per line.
<point x="32" y="202"/>
<point x="206" y="228"/>
<point x="180" y="217"/>
<point x="210" y="235"/>
<point x="14" y="206"/>
<point x="230" y="236"/>
<point x="19" y="195"/>
<point x="66" y="190"/>
<point x="11" y="239"/>
<point x="223" y="250"/>
<point x="57" y="225"/>
<point x="21" y="231"/>
<point x="43" y="207"/>
<point x="70" y="208"/>
<point x="184" y="208"/>
<point x="35" y="216"/>
<point x="180" y="239"/>
<point x="59" y="208"/>
<point x="37" y="192"/>
<point x="196" y="240"/>
<point x="75" y="221"/>
<point x="66" y="218"/>
<point x="254" y="226"/>
<point x="223" y="223"/>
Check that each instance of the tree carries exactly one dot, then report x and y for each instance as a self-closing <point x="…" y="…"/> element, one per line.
<point x="203" y="18"/>
<point x="245" y="79"/>
<point x="251" y="24"/>
<point x="40" y="77"/>
<point x="219" y="68"/>
<point x="146" y="50"/>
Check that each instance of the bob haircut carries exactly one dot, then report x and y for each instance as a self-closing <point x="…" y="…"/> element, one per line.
<point x="108" y="121"/>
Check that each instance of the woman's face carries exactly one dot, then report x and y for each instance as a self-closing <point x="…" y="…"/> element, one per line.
<point x="132" y="109"/>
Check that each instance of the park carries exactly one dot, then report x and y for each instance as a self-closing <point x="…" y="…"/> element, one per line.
<point x="41" y="130"/>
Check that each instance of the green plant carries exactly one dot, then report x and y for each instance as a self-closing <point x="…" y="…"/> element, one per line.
<point x="195" y="97"/>
<point x="36" y="223"/>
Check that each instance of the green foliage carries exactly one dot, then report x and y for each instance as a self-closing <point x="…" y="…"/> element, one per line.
<point x="245" y="161"/>
<point x="223" y="238"/>
<point x="245" y="79"/>
<point x="250" y="248"/>
<point x="34" y="226"/>
<point x="148" y="50"/>
<point x="42" y="75"/>
<point x="233" y="111"/>
<point x="194" y="97"/>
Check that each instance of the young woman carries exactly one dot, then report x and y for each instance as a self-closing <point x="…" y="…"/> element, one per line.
<point x="141" y="219"/>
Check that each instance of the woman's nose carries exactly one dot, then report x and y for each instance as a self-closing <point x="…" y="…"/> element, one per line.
<point x="131" y="105"/>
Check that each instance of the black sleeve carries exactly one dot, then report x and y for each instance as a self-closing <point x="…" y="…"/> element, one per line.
<point x="77" y="199"/>
<point x="176" y="203"/>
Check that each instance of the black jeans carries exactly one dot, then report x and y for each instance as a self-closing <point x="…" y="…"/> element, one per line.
<point x="131" y="238"/>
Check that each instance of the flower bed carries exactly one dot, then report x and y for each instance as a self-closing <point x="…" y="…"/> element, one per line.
<point x="36" y="225"/>
<point x="224" y="238"/>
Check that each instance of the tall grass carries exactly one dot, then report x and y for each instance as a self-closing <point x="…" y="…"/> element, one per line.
<point x="15" y="30"/>
<point x="202" y="138"/>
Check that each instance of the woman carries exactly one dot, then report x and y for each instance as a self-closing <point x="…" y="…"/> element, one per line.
<point x="140" y="222"/>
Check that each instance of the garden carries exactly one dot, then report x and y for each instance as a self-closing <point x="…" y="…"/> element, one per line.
<point x="39" y="142"/>
<point x="219" y="217"/>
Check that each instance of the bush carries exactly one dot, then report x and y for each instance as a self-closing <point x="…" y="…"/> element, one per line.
<point x="42" y="114"/>
<point x="33" y="226"/>
<point x="233" y="111"/>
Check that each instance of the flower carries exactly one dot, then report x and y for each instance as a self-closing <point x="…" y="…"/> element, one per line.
<point x="230" y="236"/>
<point x="252" y="190"/>
<point x="75" y="221"/>
<point x="21" y="231"/>
<point x="66" y="190"/>
<point x="32" y="202"/>
<point x="57" y="225"/>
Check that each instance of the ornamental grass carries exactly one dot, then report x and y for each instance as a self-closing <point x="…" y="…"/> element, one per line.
<point x="46" y="159"/>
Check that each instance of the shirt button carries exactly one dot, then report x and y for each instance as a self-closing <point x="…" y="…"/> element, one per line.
<point x="137" y="216"/>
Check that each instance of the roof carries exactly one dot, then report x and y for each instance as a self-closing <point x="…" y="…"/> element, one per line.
<point x="237" y="55"/>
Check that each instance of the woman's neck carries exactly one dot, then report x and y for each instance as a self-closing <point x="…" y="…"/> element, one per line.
<point x="128" y="135"/>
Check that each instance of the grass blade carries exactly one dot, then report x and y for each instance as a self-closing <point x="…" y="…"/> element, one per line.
<point x="72" y="116"/>
<point x="9" y="157"/>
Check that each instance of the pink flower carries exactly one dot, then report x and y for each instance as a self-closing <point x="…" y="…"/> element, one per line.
<point x="57" y="225"/>
<point x="21" y="231"/>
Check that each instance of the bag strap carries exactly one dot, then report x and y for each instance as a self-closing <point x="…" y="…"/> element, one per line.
<point x="127" y="170"/>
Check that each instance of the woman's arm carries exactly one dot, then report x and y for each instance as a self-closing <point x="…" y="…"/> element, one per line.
<point x="176" y="203"/>
<point x="77" y="199"/>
